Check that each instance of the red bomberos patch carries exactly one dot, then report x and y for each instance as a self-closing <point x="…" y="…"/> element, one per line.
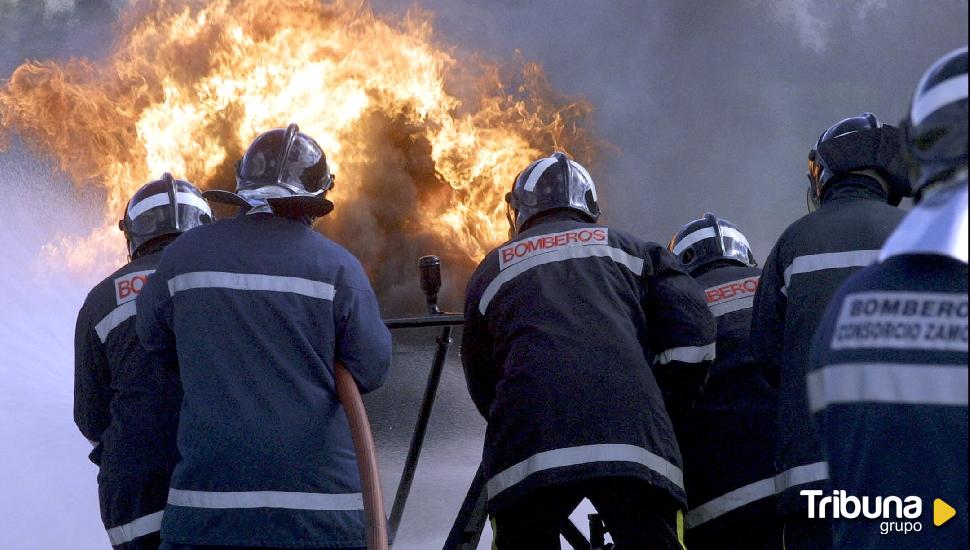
<point x="518" y="251"/>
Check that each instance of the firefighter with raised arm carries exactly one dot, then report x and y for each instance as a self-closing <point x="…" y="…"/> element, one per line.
<point x="126" y="401"/>
<point x="887" y="381"/>
<point x="857" y="178"/>
<point x="728" y="438"/>
<point x="258" y="308"/>
<point x="578" y="339"/>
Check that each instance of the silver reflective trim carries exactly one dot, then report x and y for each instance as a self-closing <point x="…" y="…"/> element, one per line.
<point x="140" y="527"/>
<point x="937" y="225"/>
<point x="724" y="308"/>
<point x="800" y="475"/>
<point x="691" y="238"/>
<point x="903" y="384"/>
<point x="530" y="184"/>
<point x="111" y="321"/>
<point x="250" y="281"/>
<point x="709" y="233"/>
<point x="730" y="501"/>
<point x="687" y="354"/>
<point x="592" y="186"/>
<point x="94" y="443"/>
<point x="266" y="499"/>
<point x="573" y="252"/>
<point x="586" y="454"/>
<point x="161" y="199"/>
<point x="832" y="260"/>
<point x="944" y="93"/>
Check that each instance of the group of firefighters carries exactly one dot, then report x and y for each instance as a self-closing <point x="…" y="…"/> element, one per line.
<point x="680" y="389"/>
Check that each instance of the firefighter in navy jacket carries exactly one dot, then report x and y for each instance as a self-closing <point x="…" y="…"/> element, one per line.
<point x="728" y="438"/>
<point x="888" y="370"/>
<point x="257" y="309"/>
<point x="575" y="335"/>
<point x="857" y="176"/>
<point x="126" y="401"/>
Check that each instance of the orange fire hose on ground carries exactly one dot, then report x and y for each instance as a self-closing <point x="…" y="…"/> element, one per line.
<point x="370" y="476"/>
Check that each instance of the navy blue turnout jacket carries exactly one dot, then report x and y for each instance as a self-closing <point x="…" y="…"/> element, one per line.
<point x="257" y="309"/>
<point x="576" y="336"/>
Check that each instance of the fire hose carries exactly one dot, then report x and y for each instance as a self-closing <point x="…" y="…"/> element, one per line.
<point x="370" y="475"/>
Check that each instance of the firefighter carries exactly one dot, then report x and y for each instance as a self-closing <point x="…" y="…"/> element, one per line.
<point x="575" y="336"/>
<point x="728" y="438"/>
<point x="888" y="369"/>
<point x="126" y="401"/>
<point x="258" y="308"/>
<point x="857" y="178"/>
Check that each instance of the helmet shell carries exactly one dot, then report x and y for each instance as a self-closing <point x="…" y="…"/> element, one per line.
<point x="166" y="206"/>
<point x="286" y="169"/>
<point x="855" y="144"/>
<point x="936" y="127"/>
<point x="710" y="239"/>
<point x="549" y="183"/>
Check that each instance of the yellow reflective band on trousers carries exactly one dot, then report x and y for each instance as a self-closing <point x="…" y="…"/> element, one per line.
<point x="680" y="529"/>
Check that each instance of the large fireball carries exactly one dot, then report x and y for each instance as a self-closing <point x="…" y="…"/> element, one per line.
<point x="424" y="144"/>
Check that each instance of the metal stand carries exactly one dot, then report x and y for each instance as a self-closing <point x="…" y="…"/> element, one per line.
<point x="467" y="529"/>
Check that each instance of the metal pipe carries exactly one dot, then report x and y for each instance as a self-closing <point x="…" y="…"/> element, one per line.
<point x="442" y="320"/>
<point x="420" y="428"/>
<point x="370" y="475"/>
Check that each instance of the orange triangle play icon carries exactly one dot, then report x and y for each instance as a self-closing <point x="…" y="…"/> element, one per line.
<point x="942" y="512"/>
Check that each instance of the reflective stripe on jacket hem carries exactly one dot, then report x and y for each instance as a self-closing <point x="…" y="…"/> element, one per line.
<point x="800" y="475"/>
<point x="730" y="501"/>
<point x="586" y="454"/>
<point x="265" y="499"/>
<point x="140" y="527"/>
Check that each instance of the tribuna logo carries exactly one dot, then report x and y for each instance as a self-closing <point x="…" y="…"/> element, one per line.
<point x="897" y="513"/>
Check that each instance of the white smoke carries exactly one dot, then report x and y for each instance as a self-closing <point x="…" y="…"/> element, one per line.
<point x="813" y="19"/>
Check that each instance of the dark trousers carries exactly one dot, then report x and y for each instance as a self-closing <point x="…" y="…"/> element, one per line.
<point x="757" y="534"/>
<point x="802" y="533"/>
<point x="170" y="546"/>
<point x="146" y="542"/>
<point x="637" y="515"/>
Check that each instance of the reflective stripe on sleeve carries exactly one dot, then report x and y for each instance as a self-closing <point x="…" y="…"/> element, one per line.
<point x="831" y="260"/>
<point x="619" y="256"/>
<point x="111" y="321"/>
<point x="586" y="454"/>
<point x="903" y="384"/>
<point x="140" y="527"/>
<point x="724" y="308"/>
<point x="800" y="475"/>
<point x="265" y="499"/>
<point x="730" y="501"/>
<point x="250" y="281"/>
<point x="687" y="354"/>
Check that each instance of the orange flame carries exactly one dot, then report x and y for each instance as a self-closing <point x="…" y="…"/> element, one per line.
<point x="188" y="86"/>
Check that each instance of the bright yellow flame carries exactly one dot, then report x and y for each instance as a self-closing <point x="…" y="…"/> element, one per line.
<point x="187" y="87"/>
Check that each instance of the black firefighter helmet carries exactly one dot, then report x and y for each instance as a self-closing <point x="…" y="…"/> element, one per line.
<point x="550" y="183"/>
<point x="284" y="169"/>
<point x="858" y="144"/>
<point x="166" y="206"/>
<point x="710" y="239"/>
<point x="936" y="128"/>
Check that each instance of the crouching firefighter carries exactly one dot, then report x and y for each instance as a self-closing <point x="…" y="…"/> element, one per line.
<point x="126" y="401"/>
<point x="258" y="308"/>
<point x="857" y="177"/>
<point x="887" y="378"/>
<point x="575" y="336"/>
<point x="728" y="439"/>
